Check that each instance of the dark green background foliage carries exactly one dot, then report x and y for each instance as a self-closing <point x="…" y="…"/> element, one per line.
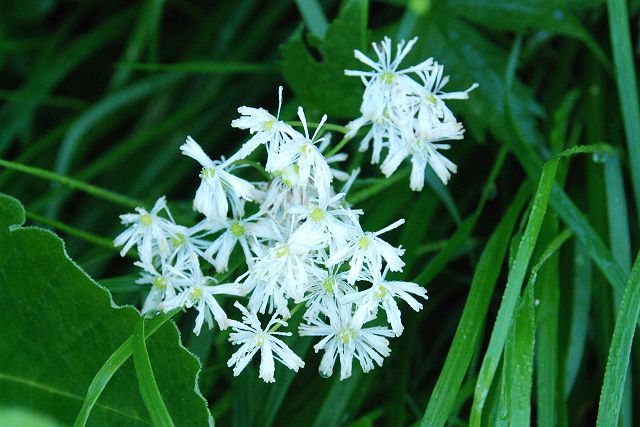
<point x="533" y="295"/>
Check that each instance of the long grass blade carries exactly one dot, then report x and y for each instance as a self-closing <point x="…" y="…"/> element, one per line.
<point x="471" y="324"/>
<point x="512" y="291"/>
<point x="618" y="361"/>
<point x="146" y="380"/>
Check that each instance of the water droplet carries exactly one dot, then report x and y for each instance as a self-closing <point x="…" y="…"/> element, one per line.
<point x="325" y="374"/>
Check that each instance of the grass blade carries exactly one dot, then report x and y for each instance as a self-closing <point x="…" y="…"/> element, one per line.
<point x="580" y="305"/>
<point x="512" y="291"/>
<point x="618" y="361"/>
<point x="627" y="87"/>
<point x="313" y="17"/>
<point x="471" y="324"/>
<point x="147" y="382"/>
<point x="115" y="361"/>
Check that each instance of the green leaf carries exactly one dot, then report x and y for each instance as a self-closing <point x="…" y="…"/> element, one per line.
<point x="619" y="352"/>
<point x="471" y="323"/>
<point x="315" y="82"/>
<point x="147" y="381"/>
<point x="518" y="361"/>
<point x="626" y="82"/>
<point x="512" y="291"/>
<point x="59" y="328"/>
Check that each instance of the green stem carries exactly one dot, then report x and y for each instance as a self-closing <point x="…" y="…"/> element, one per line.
<point x="84" y="235"/>
<point x="73" y="183"/>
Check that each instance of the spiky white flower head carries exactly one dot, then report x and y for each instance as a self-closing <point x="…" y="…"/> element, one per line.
<point x="217" y="184"/>
<point x="383" y="293"/>
<point x="367" y="250"/>
<point x="303" y="155"/>
<point x="407" y="117"/>
<point x="198" y="291"/>
<point x="266" y="129"/>
<point x="344" y="337"/>
<point x="252" y="338"/>
<point x="164" y="283"/>
<point x="148" y="230"/>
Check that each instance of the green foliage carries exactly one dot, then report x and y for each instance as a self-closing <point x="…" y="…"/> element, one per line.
<point x="316" y="81"/>
<point x="64" y="326"/>
<point x="97" y="98"/>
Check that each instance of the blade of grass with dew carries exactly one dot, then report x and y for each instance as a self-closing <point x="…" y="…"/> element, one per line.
<point x="626" y="82"/>
<point x="517" y="369"/>
<point x="619" y="352"/>
<point x="580" y="304"/>
<point x="619" y="241"/>
<point x="73" y="184"/>
<point x="471" y="323"/>
<point x="147" y="382"/>
<point x="560" y="201"/>
<point x="512" y="291"/>
<point x="547" y="318"/>
<point x="115" y="361"/>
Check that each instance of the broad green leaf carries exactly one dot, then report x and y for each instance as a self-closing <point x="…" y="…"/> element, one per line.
<point x="321" y="83"/>
<point x="59" y="327"/>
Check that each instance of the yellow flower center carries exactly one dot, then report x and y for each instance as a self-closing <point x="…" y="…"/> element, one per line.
<point x="159" y="282"/>
<point x="381" y="292"/>
<point x="387" y="77"/>
<point x="432" y="98"/>
<point x="269" y="124"/>
<point x="196" y="293"/>
<point x="317" y="215"/>
<point x="364" y="242"/>
<point x="236" y="229"/>
<point x="346" y="335"/>
<point x="282" y="251"/>
<point x="146" y="220"/>
<point x="208" y="172"/>
<point x="260" y="338"/>
<point x="179" y="239"/>
<point x="328" y="284"/>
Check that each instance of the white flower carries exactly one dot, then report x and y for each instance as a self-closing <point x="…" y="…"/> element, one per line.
<point x="185" y="240"/>
<point x="252" y="338"/>
<point x="217" y="183"/>
<point x="382" y="293"/>
<point x="385" y="85"/>
<point x="344" y="337"/>
<point x="307" y="159"/>
<point x="367" y="248"/>
<point x="236" y="230"/>
<point x="163" y="283"/>
<point x="265" y="128"/>
<point x="327" y="287"/>
<point x="148" y="231"/>
<point x="196" y="292"/>
<point x="281" y="273"/>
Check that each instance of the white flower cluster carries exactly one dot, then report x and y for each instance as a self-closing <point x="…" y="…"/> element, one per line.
<point x="303" y="245"/>
<point x="408" y="117"/>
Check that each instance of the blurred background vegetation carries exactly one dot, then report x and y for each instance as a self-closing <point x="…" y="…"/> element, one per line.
<point x="105" y="92"/>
